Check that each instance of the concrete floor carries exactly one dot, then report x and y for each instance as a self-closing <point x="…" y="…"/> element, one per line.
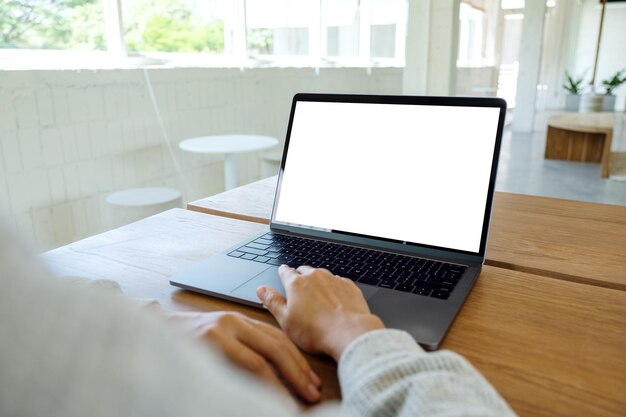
<point x="524" y="170"/>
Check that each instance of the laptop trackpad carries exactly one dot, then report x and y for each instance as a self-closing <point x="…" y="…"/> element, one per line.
<point x="367" y="290"/>
<point x="268" y="277"/>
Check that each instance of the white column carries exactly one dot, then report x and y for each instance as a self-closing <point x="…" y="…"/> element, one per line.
<point x="315" y="35"/>
<point x="239" y="46"/>
<point x="114" y="28"/>
<point x="529" y="66"/>
<point x="415" y="73"/>
<point x="432" y="45"/>
<point x="444" y="47"/>
<point x="365" y="31"/>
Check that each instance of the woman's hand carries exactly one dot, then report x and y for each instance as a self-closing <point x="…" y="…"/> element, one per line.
<point x="254" y="346"/>
<point x="323" y="313"/>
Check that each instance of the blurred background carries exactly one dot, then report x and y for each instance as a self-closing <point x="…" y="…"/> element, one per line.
<point x="78" y="121"/>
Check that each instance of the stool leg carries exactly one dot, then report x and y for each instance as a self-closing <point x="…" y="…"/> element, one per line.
<point x="230" y="171"/>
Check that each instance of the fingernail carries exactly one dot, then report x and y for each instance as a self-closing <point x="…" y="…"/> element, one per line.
<point x="313" y="392"/>
<point x="315" y="379"/>
<point x="261" y="292"/>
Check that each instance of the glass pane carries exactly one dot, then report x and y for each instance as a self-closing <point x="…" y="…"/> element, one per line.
<point x="280" y="27"/>
<point x="383" y="41"/>
<point x="341" y="24"/>
<point x="175" y="25"/>
<point x="52" y="24"/>
<point x="386" y="19"/>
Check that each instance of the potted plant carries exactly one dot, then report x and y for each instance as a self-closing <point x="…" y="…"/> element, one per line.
<point x="574" y="87"/>
<point x="610" y="84"/>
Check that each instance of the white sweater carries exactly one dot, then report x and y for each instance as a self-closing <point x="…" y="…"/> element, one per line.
<point x="69" y="350"/>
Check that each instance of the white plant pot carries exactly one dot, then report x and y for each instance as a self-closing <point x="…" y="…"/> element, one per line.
<point x="591" y="103"/>
<point x="572" y="102"/>
<point x="608" y="104"/>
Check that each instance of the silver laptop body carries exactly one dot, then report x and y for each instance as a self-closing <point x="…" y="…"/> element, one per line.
<point x="383" y="179"/>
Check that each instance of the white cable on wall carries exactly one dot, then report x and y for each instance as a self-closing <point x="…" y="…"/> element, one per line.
<point x="166" y="138"/>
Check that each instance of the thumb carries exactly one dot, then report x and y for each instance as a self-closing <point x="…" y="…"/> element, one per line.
<point x="273" y="301"/>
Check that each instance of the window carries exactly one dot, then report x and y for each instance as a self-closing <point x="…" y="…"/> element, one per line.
<point x="471" y="36"/>
<point x="281" y="27"/>
<point x="362" y="32"/>
<point x="173" y="26"/>
<point x="52" y="24"/>
<point x="364" y="29"/>
<point x="341" y="25"/>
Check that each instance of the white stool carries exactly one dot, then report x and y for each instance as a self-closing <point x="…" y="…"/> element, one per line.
<point x="134" y="204"/>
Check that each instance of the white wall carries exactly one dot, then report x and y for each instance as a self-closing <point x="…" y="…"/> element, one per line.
<point x="612" y="50"/>
<point x="69" y="138"/>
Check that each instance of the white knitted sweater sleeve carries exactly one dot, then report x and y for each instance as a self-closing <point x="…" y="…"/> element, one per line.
<point x="385" y="373"/>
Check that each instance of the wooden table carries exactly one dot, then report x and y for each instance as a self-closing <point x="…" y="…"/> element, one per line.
<point x="570" y="240"/>
<point x="582" y="137"/>
<point x="551" y="347"/>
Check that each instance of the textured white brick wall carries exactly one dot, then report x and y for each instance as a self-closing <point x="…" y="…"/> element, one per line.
<point x="69" y="138"/>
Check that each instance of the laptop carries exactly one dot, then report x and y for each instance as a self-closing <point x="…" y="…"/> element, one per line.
<point x="393" y="192"/>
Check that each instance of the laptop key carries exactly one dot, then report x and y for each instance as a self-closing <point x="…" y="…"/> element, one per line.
<point x="369" y="280"/>
<point x="387" y="284"/>
<point x="248" y="256"/>
<point x="423" y="290"/>
<point x="257" y="246"/>
<point x="253" y="251"/>
<point x="406" y="281"/>
<point x="341" y="270"/>
<point x="453" y="275"/>
<point x="440" y="294"/>
<point x="261" y="259"/>
<point x="235" y="254"/>
<point x="354" y="276"/>
<point x="275" y="262"/>
<point x="405" y="288"/>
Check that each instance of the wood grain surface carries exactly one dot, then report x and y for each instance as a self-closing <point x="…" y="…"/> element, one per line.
<point x="570" y="240"/>
<point x="551" y="347"/>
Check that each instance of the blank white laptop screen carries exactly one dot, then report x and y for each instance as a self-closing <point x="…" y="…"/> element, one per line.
<point x="413" y="173"/>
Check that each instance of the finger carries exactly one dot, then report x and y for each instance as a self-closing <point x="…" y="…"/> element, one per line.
<point x="278" y="335"/>
<point x="246" y="358"/>
<point x="281" y="353"/>
<point x="273" y="301"/>
<point x="292" y="349"/>
<point x="305" y="269"/>
<point x="287" y="275"/>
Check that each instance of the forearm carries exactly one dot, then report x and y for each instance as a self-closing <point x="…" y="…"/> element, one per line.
<point x="384" y="372"/>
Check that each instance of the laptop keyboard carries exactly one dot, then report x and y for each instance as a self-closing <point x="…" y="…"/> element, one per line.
<point x="366" y="266"/>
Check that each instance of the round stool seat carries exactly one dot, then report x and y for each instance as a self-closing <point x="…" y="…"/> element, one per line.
<point x="127" y="206"/>
<point x="142" y="197"/>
